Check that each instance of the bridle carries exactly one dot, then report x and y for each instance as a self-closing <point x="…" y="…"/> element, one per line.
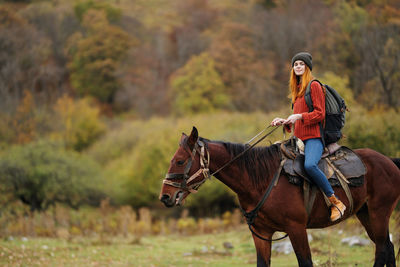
<point x="185" y="185"/>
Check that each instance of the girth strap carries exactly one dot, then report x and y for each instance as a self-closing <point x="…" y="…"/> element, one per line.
<point x="310" y="192"/>
<point x="344" y="183"/>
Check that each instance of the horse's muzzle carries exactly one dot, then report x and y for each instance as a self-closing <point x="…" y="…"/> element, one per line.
<point x="168" y="202"/>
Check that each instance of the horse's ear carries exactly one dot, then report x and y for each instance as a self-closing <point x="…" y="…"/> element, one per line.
<point x="194" y="135"/>
<point x="183" y="137"/>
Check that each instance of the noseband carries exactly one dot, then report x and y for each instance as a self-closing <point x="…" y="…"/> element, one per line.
<point x="201" y="148"/>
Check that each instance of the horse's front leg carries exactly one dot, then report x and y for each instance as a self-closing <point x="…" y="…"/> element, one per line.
<point x="263" y="249"/>
<point x="298" y="238"/>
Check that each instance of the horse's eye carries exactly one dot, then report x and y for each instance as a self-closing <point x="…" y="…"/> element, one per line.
<point x="180" y="162"/>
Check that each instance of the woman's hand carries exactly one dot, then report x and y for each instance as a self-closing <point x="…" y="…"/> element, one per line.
<point x="293" y="118"/>
<point x="277" y="121"/>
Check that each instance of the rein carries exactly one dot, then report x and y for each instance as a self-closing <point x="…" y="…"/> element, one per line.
<point x="248" y="148"/>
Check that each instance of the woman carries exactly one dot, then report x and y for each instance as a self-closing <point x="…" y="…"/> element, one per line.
<point x="306" y="125"/>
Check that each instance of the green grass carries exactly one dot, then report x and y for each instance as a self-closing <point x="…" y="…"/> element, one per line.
<point x="175" y="250"/>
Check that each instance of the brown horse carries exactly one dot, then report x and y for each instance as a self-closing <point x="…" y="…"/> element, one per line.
<point x="284" y="211"/>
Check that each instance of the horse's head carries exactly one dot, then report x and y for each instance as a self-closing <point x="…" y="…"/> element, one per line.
<point x="187" y="171"/>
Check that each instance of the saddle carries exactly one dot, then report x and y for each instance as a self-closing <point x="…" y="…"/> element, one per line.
<point x="340" y="162"/>
<point x="340" y="165"/>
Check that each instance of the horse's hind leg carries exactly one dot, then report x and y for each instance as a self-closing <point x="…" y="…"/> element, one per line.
<point x="376" y="223"/>
<point x="391" y="258"/>
<point x="363" y="216"/>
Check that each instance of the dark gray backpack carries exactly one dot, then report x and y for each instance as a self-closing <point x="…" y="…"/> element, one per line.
<point x="335" y="109"/>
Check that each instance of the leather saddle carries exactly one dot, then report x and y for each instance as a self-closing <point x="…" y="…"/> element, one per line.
<point x="341" y="161"/>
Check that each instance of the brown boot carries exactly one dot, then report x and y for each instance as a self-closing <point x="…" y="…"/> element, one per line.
<point x="337" y="208"/>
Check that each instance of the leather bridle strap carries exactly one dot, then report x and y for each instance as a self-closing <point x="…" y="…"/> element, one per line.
<point x="204" y="163"/>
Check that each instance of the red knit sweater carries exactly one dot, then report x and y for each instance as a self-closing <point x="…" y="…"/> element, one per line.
<point x="308" y="127"/>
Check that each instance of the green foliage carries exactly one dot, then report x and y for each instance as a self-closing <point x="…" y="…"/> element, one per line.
<point x="351" y="17"/>
<point x="113" y="13"/>
<point x="95" y="58"/>
<point x="134" y="176"/>
<point x="378" y="129"/>
<point x="41" y="174"/>
<point x="341" y="85"/>
<point x="198" y="88"/>
<point x="78" y="122"/>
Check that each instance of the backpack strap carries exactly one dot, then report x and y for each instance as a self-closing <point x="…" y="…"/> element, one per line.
<point x="307" y="95"/>
<point x="308" y="99"/>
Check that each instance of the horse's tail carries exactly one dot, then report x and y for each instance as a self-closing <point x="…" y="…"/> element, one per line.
<point x="396" y="161"/>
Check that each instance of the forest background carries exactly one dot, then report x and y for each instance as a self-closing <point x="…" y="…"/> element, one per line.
<point x="94" y="95"/>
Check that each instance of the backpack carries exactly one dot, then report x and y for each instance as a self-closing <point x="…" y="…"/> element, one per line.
<point x="335" y="109"/>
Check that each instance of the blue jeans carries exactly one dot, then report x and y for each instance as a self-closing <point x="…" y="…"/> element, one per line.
<point x="313" y="152"/>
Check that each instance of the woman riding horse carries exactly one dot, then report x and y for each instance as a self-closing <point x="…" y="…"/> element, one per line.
<point x="307" y="125"/>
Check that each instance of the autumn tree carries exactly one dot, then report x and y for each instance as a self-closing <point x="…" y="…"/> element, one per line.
<point x="168" y="37"/>
<point x="380" y="50"/>
<point x="96" y="55"/>
<point x="113" y="14"/>
<point x="288" y="27"/>
<point x="23" y="56"/>
<point x="246" y="72"/>
<point x="191" y="38"/>
<point x="24" y="121"/>
<point x="144" y="77"/>
<point x="197" y="87"/>
<point x="54" y="23"/>
<point x="372" y="47"/>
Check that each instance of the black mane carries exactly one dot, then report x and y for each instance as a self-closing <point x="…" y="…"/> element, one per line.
<point x="260" y="163"/>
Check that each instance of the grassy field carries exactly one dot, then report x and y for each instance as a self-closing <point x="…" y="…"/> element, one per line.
<point x="176" y="250"/>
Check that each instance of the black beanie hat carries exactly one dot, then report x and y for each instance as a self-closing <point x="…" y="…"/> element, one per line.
<point x="305" y="57"/>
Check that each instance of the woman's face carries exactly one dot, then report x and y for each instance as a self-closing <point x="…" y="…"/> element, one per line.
<point x="299" y="67"/>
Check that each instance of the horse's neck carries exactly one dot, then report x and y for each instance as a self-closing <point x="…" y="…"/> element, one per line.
<point x="235" y="177"/>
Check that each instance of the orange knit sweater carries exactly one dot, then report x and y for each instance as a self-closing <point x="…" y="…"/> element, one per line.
<point x="308" y="127"/>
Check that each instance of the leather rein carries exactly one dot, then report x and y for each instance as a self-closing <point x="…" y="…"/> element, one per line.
<point x="201" y="148"/>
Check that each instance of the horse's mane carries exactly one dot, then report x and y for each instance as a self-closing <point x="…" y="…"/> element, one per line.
<point x="260" y="163"/>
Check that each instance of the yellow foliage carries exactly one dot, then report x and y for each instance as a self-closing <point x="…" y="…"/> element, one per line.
<point x="212" y="225"/>
<point x="341" y="85"/>
<point x="74" y="230"/>
<point x="227" y="219"/>
<point x="24" y="122"/>
<point x="187" y="225"/>
<point x="79" y="122"/>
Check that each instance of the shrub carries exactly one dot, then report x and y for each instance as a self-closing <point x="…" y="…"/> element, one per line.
<point x="41" y="174"/>
<point x="378" y="129"/>
<point x="79" y="123"/>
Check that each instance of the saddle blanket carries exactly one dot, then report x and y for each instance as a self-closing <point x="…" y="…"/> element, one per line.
<point x="344" y="159"/>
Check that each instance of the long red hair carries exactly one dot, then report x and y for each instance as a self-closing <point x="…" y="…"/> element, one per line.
<point x="298" y="85"/>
